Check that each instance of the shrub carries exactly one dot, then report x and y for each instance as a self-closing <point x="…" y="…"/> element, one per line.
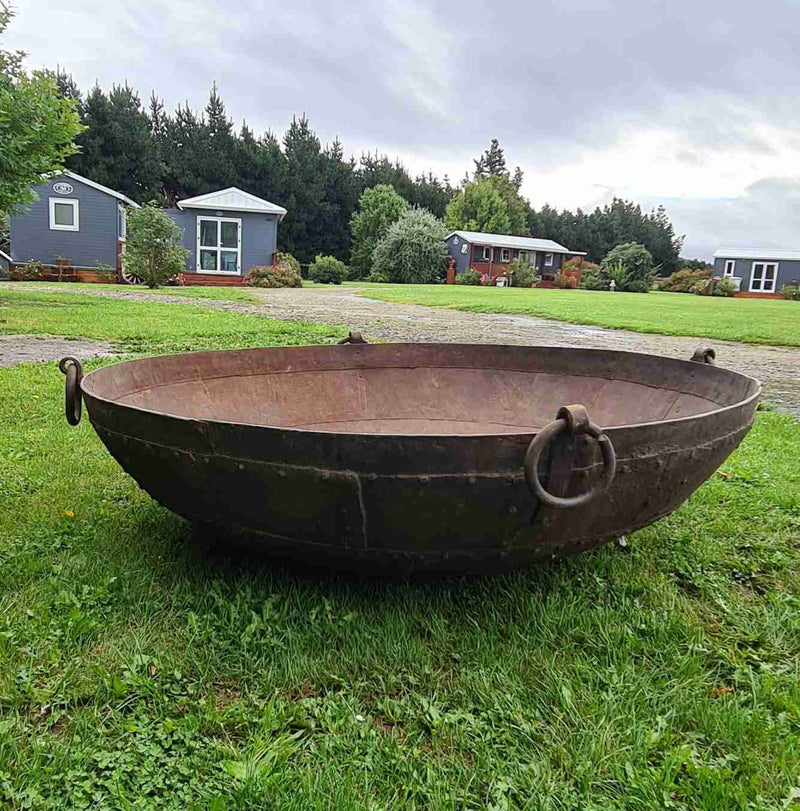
<point x="683" y="280"/>
<point x="700" y="287"/>
<point x="522" y="273"/>
<point x="413" y="250"/>
<point x="565" y="282"/>
<point x="107" y="273"/>
<point x="153" y="249"/>
<point x="29" y="272"/>
<point x="717" y="286"/>
<point x="327" y="270"/>
<point x="592" y="280"/>
<point x="277" y="275"/>
<point x="630" y="265"/>
<point x="378" y="278"/>
<point x="469" y="276"/>
<point x="287" y="260"/>
<point x="791" y="292"/>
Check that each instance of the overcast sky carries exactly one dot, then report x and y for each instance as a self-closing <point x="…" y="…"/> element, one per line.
<point x="690" y="103"/>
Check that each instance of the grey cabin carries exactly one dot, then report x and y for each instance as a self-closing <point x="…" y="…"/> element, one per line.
<point x="78" y="224"/>
<point x="73" y="221"/>
<point x="758" y="272"/>
<point x="490" y="254"/>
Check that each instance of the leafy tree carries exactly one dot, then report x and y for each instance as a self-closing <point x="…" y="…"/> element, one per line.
<point x="38" y="126"/>
<point x="153" y="249"/>
<point x="327" y="270"/>
<point x="478" y="207"/>
<point x="378" y="208"/>
<point x="117" y="147"/>
<point x="5" y="234"/>
<point x="492" y="163"/>
<point x="630" y="265"/>
<point x="413" y="250"/>
<point x="695" y="264"/>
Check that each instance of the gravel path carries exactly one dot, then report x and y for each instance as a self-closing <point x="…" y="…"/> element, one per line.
<point x="778" y="367"/>
<point x="37" y="348"/>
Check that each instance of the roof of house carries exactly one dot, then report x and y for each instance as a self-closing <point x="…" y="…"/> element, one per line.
<point x="506" y="241"/>
<point x="99" y="187"/>
<point x="758" y="253"/>
<point x="233" y="199"/>
<point x="4" y="255"/>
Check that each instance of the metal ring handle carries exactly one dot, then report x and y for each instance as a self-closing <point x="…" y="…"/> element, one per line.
<point x="546" y="435"/>
<point x="73" y="369"/>
<point x="353" y="338"/>
<point x="704" y="355"/>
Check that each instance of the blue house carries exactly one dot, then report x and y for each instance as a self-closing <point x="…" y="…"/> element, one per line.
<point x="758" y="272"/>
<point x="5" y="265"/>
<point x="79" y="225"/>
<point x="226" y="233"/>
<point x="490" y="254"/>
<point x="73" y="221"/>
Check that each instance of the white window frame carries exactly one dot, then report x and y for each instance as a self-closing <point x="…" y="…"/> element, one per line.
<point x="730" y="268"/>
<point x="763" y="277"/>
<point x="69" y="201"/>
<point x="122" y="220"/>
<point x="487" y="253"/>
<point x="505" y="254"/>
<point x="548" y="260"/>
<point x="218" y="247"/>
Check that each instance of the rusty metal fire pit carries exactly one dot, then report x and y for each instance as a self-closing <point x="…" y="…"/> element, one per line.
<point x="401" y="458"/>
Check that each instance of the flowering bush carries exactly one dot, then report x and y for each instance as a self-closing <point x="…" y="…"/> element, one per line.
<point x="278" y="275"/>
<point x="565" y="282"/>
<point x="469" y="276"/>
<point x="683" y="281"/>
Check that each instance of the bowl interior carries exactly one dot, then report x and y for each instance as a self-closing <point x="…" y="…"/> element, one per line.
<point x="418" y="388"/>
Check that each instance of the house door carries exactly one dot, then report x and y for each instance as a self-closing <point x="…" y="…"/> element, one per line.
<point x="764" y="277"/>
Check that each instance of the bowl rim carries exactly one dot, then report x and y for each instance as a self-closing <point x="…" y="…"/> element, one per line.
<point x="93" y="395"/>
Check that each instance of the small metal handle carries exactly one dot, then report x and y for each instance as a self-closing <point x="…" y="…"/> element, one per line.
<point x="73" y="369"/>
<point x="353" y="338"/>
<point x="704" y="355"/>
<point x="575" y="419"/>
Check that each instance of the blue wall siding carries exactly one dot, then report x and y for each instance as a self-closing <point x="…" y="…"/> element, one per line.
<point x="259" y="234"/>
<point x="454" y="250"/>
<point x="788" y="272"/>
<point x="95" y="243"/>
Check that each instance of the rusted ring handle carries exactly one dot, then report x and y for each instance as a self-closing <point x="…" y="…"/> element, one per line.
<point x="73" y="369"/>
<point x="353" y="338"/>
<point x="576" y="420"/>
<point x="704" y="355"/>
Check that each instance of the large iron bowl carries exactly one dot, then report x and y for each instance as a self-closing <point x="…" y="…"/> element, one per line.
<point x="401" y="458"/>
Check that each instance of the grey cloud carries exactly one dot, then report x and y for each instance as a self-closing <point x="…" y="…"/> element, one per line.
<point x="766" y="215"/>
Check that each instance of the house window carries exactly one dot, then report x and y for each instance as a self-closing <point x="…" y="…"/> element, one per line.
<point x="219" y="245"/>
<point x="525" y="256"/>
<point x="63" y="215"/>
<point x="764" y="277"/>
<point x="548" y="260"/>
<point x="505" y="254"/>
<point x="487" y="254"/>
<point x="122" y="225"/>
<point x="730" y="267"/>
<point x="464" y="248"/>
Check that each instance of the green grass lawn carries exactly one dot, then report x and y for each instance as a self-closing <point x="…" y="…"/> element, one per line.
<point x="759" y="321"/>
<point x="152" y="327"/>
<point x="134" y="673"/>
<point x="242" y="294"/>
